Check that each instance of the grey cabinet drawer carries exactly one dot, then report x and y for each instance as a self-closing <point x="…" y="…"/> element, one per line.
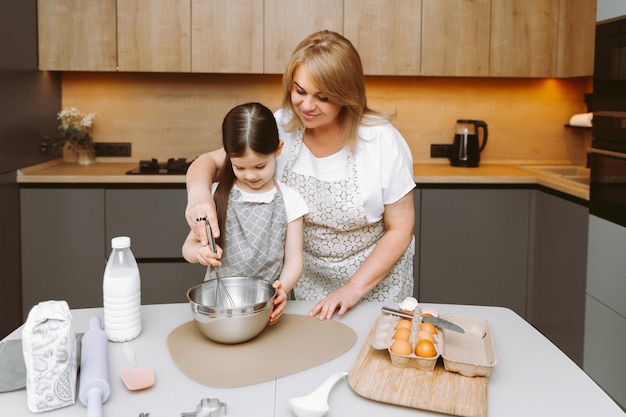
<point x="605" y="344"/>
<point x="63" y="251"/>
<point x="607" y="264"/>
<point x="559" y="272"/>
<point x="153" y="218"/>
<point x="474" y="247"/>
<point x="168" y="282"/>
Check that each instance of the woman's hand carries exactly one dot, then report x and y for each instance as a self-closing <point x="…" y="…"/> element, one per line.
<point x="280" y="301"/>
<point x="342" y="299"/>
<point x="198" y="215"/>
<point x="200" y="204"/>
<point x="399" y="218"/>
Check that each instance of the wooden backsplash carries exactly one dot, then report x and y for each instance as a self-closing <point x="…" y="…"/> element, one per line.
<point x="180" y="115"/>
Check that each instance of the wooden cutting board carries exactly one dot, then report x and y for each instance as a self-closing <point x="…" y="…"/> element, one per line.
<point x="373" y="376"/>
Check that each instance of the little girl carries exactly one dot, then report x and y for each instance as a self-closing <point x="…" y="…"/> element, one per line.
<point x="260" y="218"/>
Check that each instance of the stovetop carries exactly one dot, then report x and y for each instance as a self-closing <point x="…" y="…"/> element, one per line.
<point x="173" y="166"/>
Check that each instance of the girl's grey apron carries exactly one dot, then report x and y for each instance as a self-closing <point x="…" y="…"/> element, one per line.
<point x="255" y="238"/>
<point x="338" y="238"/>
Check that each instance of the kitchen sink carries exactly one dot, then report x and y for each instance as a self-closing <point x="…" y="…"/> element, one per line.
<point x="565" y="171"/>
<point x="581" y="180"/>
<point x="575" y="174"/>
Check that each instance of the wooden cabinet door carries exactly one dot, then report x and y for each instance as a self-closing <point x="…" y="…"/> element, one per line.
<point x="524" y="38"/>
<point x="455" y="37"/>
<point x="227" y="36"/>
<point x="76" y="35"/>
<point x="154" y="35"/>
<point x="577" y="27"/>
<point x="288" y="22"/>
<point x="386" y="33"/>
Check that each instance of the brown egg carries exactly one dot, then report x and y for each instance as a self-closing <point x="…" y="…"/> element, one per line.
<point x="428" y="327"/>
<point x="425" y="349"/>
<point x="401" y="347"/>
<point x="402" y="333"/>
<point x="425" y="335"/>
<point x="404" y="323"/>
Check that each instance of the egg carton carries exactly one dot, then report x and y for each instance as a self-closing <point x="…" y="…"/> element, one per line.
<point x="383" y="338"/>
<point x="470" y="354"/>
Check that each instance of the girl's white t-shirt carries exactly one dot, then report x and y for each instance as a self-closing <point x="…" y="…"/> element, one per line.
<point x="295" y="206"/>
<point x="383" y="159"/>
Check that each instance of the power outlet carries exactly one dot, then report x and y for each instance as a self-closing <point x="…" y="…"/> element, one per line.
<point x="113" y="148"/>
<point x="440" y="151"/>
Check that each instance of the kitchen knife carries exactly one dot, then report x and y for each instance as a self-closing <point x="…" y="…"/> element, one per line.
<point x="436" y="321"/>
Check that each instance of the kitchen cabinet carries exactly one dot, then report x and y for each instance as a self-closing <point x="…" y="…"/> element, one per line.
<point x="539" y="38"/>
<point x="524" y="37"/>
<point x="76" y="35"/>
<point x="559" y="260"/>
<point x="288" y="22"/>
<point x="153" y="218"/>
<point x="474" y="245"/>
<point x="577" y="28"/>
<point x="227" y="36"/>
<point x="523" y="248"/>
<point x="455" y="38"/>
<point x="605" y="316"/>
<point x="65" y="247"/>
<point x="386" y="34"/>
<point x="154" y="35"/>
<point x="470" y="38"/>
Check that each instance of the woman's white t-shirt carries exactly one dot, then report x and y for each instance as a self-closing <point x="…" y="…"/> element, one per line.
<point x="383" y="158"/>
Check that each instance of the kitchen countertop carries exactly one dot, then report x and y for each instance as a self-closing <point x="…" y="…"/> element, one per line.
<point x="58" y="172"/>
<point x="532" y="377"/>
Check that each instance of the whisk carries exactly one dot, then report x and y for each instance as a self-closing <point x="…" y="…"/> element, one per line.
<point x="222" y="296"/>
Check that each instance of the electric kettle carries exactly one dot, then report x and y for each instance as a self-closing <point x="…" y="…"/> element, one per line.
<point x="466" y="150"/>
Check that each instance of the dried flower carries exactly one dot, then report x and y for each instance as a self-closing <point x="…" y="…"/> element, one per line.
<point x="75" y="129"/>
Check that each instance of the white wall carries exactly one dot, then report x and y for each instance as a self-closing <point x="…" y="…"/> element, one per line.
<point x="607" y="9"/>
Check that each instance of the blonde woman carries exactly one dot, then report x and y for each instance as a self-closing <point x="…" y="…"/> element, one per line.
<point x="354" y="170"/>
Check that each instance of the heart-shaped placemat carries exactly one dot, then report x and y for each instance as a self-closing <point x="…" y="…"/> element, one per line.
<point x="301" y="342"/>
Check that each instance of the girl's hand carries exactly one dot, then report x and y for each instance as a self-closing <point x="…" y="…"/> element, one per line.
<point x="207" y="257"/>
<point x="280" y="301"/>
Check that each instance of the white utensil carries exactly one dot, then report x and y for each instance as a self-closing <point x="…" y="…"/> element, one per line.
<point x="136" y="378"/>
<point x="316" y="403"/>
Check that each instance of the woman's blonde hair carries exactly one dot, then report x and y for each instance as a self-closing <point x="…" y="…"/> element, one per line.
<point x="336" y="69"/>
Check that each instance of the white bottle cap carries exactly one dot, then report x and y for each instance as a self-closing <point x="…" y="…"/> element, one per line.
<point x="120" y="242"/>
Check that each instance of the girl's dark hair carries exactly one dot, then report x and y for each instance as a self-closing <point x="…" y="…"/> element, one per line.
<point x="247" y="127"/>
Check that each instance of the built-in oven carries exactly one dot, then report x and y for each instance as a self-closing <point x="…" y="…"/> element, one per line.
<point x="607" y="192"/>
<point x="605" y="301"/>
<point x="607" y="160"/>
<point x="609" y="69"/>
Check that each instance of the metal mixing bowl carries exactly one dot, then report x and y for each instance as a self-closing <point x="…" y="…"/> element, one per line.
<point x="253" y="299"/>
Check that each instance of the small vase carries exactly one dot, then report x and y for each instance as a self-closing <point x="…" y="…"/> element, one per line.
<point x="86" y="157"/>
<point x="69" y="154"/>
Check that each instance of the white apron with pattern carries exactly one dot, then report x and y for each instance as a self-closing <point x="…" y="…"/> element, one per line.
<point x="255" y="239"/>
<point x="338" y="238"/>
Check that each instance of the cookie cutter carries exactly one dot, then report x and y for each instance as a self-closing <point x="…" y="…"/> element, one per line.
<point x="208" y="407"/>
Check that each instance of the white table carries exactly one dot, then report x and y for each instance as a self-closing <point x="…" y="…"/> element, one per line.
<point x="532" y="377"/>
